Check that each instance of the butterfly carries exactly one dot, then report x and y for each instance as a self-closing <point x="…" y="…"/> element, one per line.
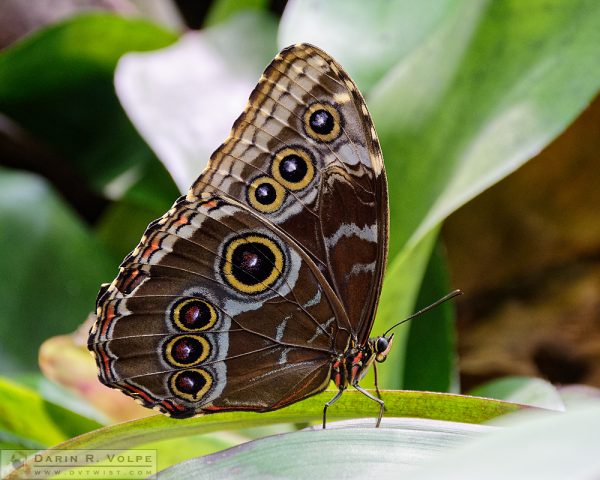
<point x="260" y="286"/>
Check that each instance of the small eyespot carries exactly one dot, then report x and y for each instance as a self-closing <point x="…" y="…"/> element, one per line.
<point x="265" y="194"/>
<point x="186" y="350"/>
<point x="293" y="168"/>
<point x="322" y="122"/>
<point x="193" y="315"/>
<point x="251" y="264"/>
<point x="190" y="385"/>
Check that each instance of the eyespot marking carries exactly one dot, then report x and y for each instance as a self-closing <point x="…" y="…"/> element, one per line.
<point x="186" y="350"/>
<point x="193" y="315"/>
<point x="322" y="122"/>
<point x="293" y="167"/>
<point x="190" y="385"/>
<point x="251" y="264"/>
<point x="265" y="194"/>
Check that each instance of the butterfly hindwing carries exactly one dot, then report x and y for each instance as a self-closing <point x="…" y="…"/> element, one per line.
<point x="213" y="301"/>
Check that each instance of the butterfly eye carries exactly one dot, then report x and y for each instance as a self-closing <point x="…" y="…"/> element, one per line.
<point x="252" y="263"/>
<point x="293" y="168"/>
<point x="265" y="194"/>
<point x="322" y="122"/>
<point x="193" y="315"/>
<point x="381" y="345"/>
<point x="186" y="350"/>
<point x="191" y="385"/>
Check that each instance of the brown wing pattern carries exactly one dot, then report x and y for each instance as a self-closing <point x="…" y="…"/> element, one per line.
<point x="212" y="301"/>
<point x="246" y="291"/>
<point x="304" y="154"/>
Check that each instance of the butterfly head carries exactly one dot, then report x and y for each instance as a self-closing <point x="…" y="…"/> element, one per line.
<point x="381" y="347"/>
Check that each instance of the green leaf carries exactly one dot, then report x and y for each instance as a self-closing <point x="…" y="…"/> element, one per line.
<point x="29" y="421"/>
<point x="353" y="404"/>
<point x="484" y="94"/>
<point x="368" y="39"/>
<point x="49" y="287"/>
<point x="436" y="406"/>
<point x="494" y="85"/>
<point x="403" y="278"/>
<point x="57" y="84"/>
<point x="431" y="362"/>
<point x="355" y="452"/>
<point x="525" y="390"/>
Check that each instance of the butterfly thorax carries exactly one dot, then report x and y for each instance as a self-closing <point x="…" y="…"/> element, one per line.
<point x="350" y="367"/>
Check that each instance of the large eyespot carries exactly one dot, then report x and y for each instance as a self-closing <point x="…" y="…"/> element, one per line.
<point x="293" y="168"/>
<point x="252" y="263"/>
<point x="265" y="194"/>
<point x="322" y="122"/>
<point x="186" y="350"/>
<point x="193" y="315"/>
<point x="190" y="385"/>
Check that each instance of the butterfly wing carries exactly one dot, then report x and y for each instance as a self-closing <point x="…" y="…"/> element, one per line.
<point x="305" y="156"/>
<point x="216" y="309"/>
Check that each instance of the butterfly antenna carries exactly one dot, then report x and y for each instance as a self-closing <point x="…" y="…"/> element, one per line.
<point x="445" y="298"/>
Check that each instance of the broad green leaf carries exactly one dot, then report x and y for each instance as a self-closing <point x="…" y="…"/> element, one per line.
<point x="355" y="451"/>
<point x="514" y="73"/>
<point x="495" y="84"/>
<point x="57" y="84"/>
<point x="367" y="38"/>
<point x="353" y="404"/>
<point x="51" y="268"/>
<point x="431" y="362"/>
<point x="184" y="99"/>
<point x="29" y="421"/>
<point x="525" y="390"/>
<point x="532" y="445"/>
<point x="403" y="278"/>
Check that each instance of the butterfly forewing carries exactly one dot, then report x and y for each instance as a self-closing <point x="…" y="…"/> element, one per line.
<point x="304" y="154"/>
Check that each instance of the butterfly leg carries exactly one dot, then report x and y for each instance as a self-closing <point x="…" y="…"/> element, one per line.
<point x="376" y="382"/>
<point x="329" y="403"/>
<point x="375" y="399"/>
